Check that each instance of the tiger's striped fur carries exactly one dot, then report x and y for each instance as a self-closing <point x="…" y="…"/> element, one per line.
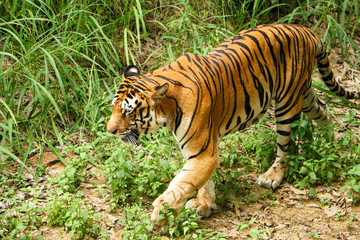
<point x="203" y="98"/>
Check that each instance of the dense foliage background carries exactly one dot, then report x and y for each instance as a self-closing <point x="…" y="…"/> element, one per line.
<point x="61" y="61"/>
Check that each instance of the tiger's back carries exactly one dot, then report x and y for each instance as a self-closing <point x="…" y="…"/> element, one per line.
<point x="240" y="77"/>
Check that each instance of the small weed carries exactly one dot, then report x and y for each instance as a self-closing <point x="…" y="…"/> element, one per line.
<point x="250" y="198"/>
<point x="267" y="194"/>
<point x="325" y="203"/>
<point x="253" y="232"/>
<point x="349" y="222"/>
<point x="247" y="224"/>
<point x="184" y="225"/>
<point x="72" y="212"/>
<point x="340" y="214"/>
<point x="274" y="203"/>
<point x="313" y="235"/>
<point x="135" y="173"/>
<point x="20" y="222"/>
<point x="135" y="223"/>
<point x="229" y="183"/>
<point x="258" y="234"/>
<point x="179" y="225"/>
<point x="71" y="177"/>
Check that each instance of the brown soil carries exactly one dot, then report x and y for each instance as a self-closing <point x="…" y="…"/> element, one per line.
<point x="289" y="213"/>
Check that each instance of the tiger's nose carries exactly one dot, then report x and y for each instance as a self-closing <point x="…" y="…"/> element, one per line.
<point x="112" y="131"/>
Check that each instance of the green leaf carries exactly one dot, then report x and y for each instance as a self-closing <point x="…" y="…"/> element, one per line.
<point x="244" y="226"/>
<point x="255" y="233"/>
<point x="312" y="176"/>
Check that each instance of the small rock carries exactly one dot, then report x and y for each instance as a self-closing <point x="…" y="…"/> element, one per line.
<point x="21" y="196"/>
<point x="349" y="201"/>
<point x="246" y="214"/>
<point x="266" y="223"/>
<point x="336" y="194"/>
<point x="297" y="191"/>
<point x="314" y="205"/>
<point x="304" y="229"/>
<point x="40" y="180"/>
<point x="258" y="206"/>
<point x="291" y="202"/>
<point x="280" y="227"/>
<point x="330" y="212"/>
<point x="29" y="177"/>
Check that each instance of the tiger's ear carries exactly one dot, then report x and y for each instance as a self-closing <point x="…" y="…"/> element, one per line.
<point x="131" y="70"/>
<point x="159" y="93"/>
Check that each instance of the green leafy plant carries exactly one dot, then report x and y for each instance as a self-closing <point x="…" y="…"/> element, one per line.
<point x="71" y="212"/>
<point x="178" y="225"/>
<point x="133" y="173"/>
<point x="316" y="159"/>
<point x="20" y="221"/>
<point x="136" y="224"/>
<point x="253" y="232"/>
<point x="317" y="165"/>
<point x="73" y="175"/>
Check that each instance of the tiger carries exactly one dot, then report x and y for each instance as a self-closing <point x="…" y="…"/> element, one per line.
<point x="201" y="99"/>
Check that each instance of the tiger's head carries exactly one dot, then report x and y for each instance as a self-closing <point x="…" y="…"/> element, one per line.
<point x="134" y="107"/>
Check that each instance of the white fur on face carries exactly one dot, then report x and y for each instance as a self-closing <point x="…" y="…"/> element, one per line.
<point x="113" y="101"/>
<point x="115" y="98"/>
<point x="128" y="105"/>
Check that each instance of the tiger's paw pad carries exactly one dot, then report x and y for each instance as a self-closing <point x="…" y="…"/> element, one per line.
<point x="166" y="197"/>
<point x="202" y="209"/>
<point x="269" y="181"/>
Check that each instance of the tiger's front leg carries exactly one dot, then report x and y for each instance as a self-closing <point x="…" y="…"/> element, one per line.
<point x="194" y="175"/>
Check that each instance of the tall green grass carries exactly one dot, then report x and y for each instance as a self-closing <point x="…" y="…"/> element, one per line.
<point x="340" y="18"/>
<point x="56" y="64"/>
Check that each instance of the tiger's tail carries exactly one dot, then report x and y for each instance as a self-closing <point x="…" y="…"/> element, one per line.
<point x="328" y="77"/>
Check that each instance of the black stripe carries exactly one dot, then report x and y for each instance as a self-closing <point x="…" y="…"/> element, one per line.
<point x="283" y="133"/>
<point x="289" y="120"/>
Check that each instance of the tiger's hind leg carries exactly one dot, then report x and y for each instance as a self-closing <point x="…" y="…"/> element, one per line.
<point x="315" y="108"/>
<point x="205" y="200"/>
<point x="285" y="114"/>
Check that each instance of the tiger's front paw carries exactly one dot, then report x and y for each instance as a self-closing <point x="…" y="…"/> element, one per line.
<point x="171" y="200"/>
<point x="271" y="179"/>
<point x="203" y="208"/>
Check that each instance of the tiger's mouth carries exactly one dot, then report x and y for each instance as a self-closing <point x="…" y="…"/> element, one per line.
<point x="131" y="137"/>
